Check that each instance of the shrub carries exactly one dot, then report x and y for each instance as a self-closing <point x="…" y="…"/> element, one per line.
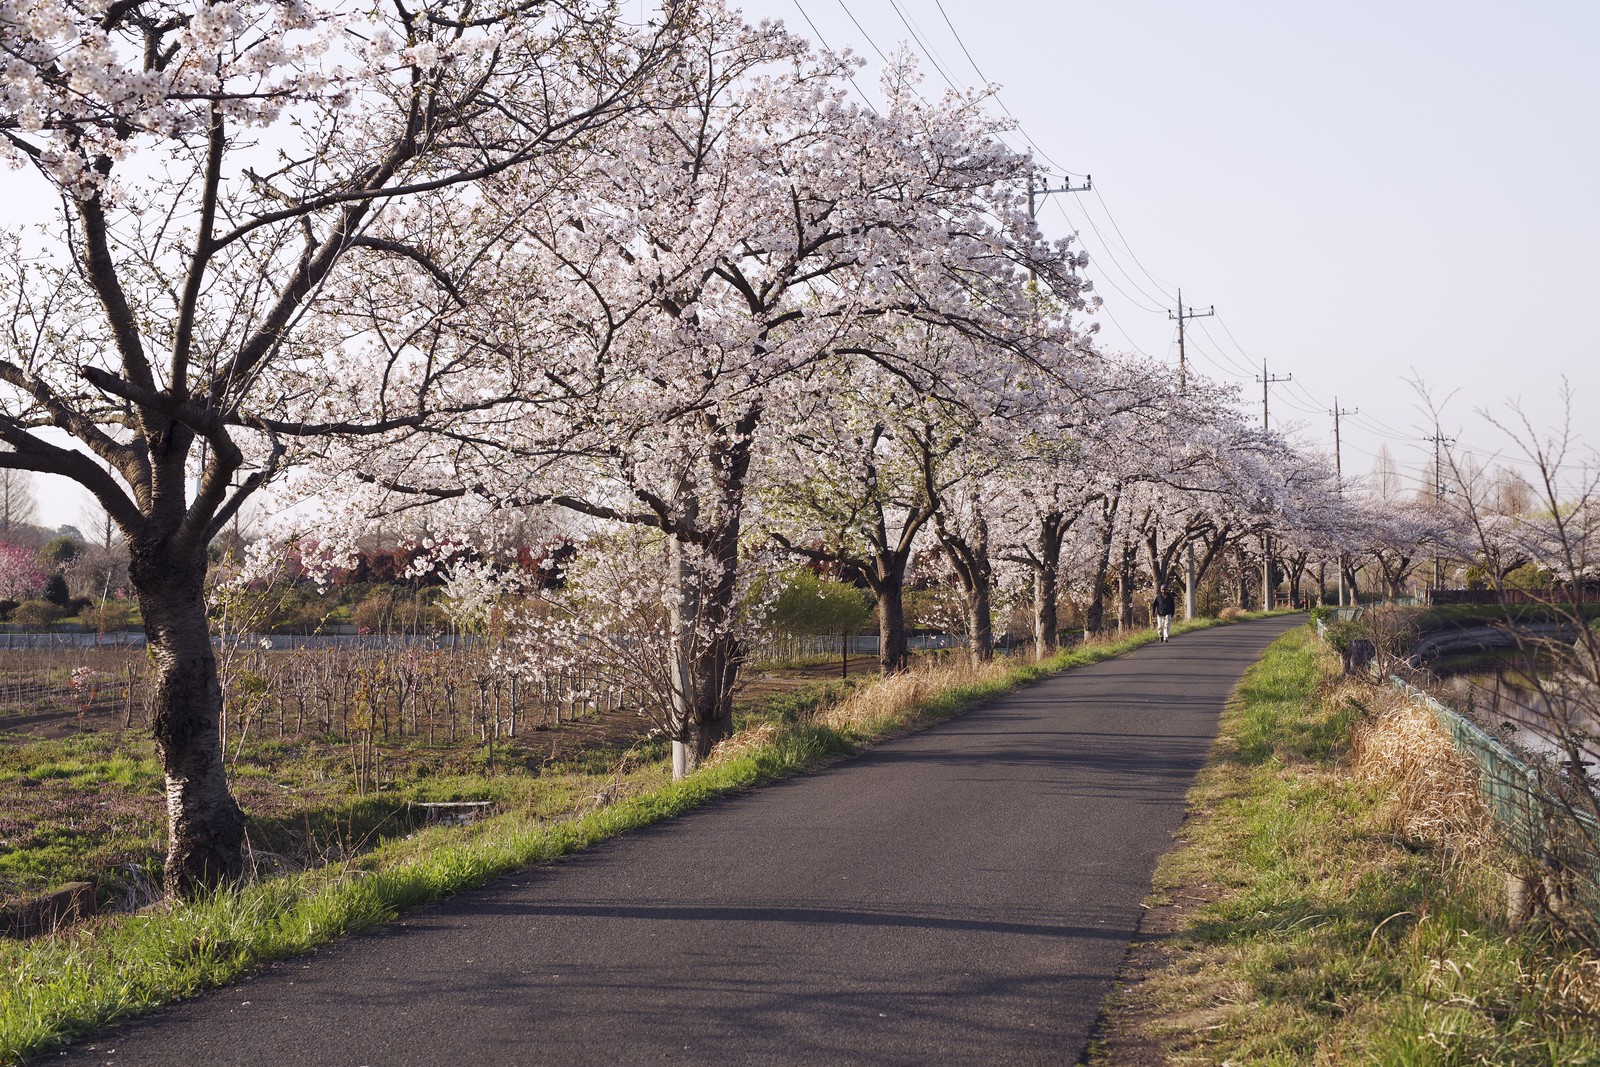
<point x="1391" y="630"/>
<point x="374" y="615"/>
<point x="55" y="591"/>
<point x="1232" y="611"/>
<point x="1323" y="613"/>
<point x="58" y="552"/>
<point x="1341" y="635"/>
<point x="38" y="613"/>
<point x="114" y="616"/>
<point x="6" y="608"/>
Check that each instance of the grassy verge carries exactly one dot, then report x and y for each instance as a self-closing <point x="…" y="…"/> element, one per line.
<point x="57" y="988"/>
<point x="1337" y="897"/>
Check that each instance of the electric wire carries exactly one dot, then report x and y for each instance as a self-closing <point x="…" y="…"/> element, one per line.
<point x="1106" y="277"/>
<point x="1161" y="304"/>
<point x="852" y="78"/>
<point x="1159" y="283"/>
<point x="976" y="70"/>
<point x="864" y="33"/>
<point x="928" y="49"/>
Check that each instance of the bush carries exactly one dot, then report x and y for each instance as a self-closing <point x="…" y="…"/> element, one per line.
<point x="374" y="615"/>
<point x="1323" y="613"/>
<point x="810" y="604"/>
<point x="38" y="613"/>
<point x="1232" y="611"/>
<point x="113" y="617"/>
<point x="55" y="591"/>
<point x="58" y="552"/>
<point x="6" y="608"/>
<point x="1342" y="635"/>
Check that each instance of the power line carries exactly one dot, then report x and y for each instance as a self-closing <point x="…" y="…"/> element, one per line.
<point x="864" y="33"/>
<point x="976" y="70"/>
<point x="1160" y="301"/>
<point x="852" y="78"/>
<point x="932" y="59"/>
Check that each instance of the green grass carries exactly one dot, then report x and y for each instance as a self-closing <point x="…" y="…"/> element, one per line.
<point x="1332" y="941"/>
<point x="60" y="987"/>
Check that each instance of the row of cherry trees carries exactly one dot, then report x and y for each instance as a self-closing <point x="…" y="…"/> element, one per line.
<point x="666" y="290"/>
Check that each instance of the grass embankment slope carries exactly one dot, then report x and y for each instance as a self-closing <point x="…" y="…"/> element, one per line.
<point x="1338" y="897"/>
<point x="57" y="988"/>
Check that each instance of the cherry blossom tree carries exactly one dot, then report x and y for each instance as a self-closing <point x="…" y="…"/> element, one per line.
<point x="220" y="167"/>
<point x="704" y="280"/>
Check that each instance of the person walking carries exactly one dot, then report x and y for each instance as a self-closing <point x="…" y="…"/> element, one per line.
<point x="1165" y="606"/>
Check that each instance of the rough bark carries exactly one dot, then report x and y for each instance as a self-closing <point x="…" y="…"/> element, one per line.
<point x="969" y="557"/>
<point x="1125" y="580"/>
<point x="1045" y="577"/>
<point x="706" y="654"/>
<point x="1244" y="578"/>
<point x="205" y="827"/>
<point x="892" y="653"/>
<point x="1094" y="618"/>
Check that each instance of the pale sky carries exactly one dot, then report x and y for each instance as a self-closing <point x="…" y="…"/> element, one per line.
<point x="1362" y="190"/>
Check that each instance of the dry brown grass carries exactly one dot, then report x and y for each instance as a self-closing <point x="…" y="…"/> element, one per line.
<point x="1572" y="982"/>
<point x="1432" y="788"/>
<point x="743" y="743"/>
<point x="901" y="694"/>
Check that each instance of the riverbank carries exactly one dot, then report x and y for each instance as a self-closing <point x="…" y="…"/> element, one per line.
<point x="1337" y="895"/>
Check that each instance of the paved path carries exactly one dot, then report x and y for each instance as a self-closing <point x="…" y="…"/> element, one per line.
<point x="962" y="895"/>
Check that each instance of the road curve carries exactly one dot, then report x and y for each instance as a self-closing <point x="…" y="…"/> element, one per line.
<point x="961" y="895"/>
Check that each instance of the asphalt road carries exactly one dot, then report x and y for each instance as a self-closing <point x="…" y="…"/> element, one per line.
<point x="961" y="895"/>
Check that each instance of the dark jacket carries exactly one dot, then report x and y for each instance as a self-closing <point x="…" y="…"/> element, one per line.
<point x="1166" y="604"/>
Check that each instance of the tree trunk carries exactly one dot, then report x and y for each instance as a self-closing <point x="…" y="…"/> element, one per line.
<point x="892" y="655"/>
<point x="705" y="653"/>
<point x="1125" y="579"/>
<point x="980" y="622"/>
<point x="1044" y="608"/>
<point x="969" y="557"/>
<point x="1094" y="618"/>
<point x="205" y="827"/>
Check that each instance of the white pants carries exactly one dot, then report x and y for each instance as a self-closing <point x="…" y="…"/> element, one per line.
<point x="1164" y="624"/>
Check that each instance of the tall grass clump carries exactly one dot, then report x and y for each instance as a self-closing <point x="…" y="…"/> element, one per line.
<point x="1429" y="788"/>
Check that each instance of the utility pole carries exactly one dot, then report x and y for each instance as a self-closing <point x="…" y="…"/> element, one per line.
<point x="1182" y="317"/>
<point x="1037" y="193"/>
<point x="1438" y="440"/>
<point x="1338" y="474"/>
<point x="1267" y="381"/>
<point x="1190" y="605"/>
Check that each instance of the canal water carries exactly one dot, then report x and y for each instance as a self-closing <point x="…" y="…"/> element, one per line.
<point x="1504" y="701"/>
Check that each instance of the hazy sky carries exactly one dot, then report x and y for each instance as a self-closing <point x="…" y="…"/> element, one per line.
<point x="1364" y="191"/>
